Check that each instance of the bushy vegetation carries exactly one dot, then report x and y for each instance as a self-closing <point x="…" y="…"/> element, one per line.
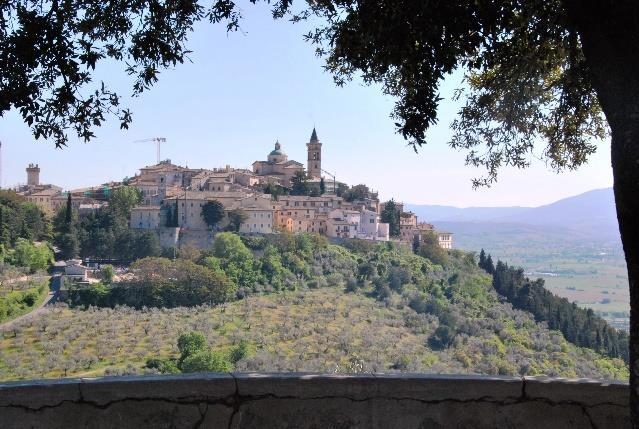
<point x="233" y="268"/>
<point x="299" y="304"/>
<point x="319" y="330"/>
<point x="391" y="215"/>
<point x="430" y="249"/>
<point x="24" y="229"/>
<point x="21" y="299"/>
<point x="105" y="234"/>
<point x="197" y="356"/>
<point x="32" y="256"/>
<point x="158" y="282"/>
<point x="21" y="219"/>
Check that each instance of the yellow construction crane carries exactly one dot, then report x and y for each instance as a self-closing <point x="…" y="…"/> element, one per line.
<point x="157" y="140"/>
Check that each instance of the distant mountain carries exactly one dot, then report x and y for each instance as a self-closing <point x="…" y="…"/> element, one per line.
<point x="591" y="213"/>
<point x="434" y="213"/>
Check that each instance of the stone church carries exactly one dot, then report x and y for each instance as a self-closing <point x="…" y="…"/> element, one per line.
<point x="283" y="170"/>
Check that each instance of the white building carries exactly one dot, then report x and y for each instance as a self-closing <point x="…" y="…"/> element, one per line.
<point x="75" y="270"/>
<point x="343" y="223"/>
<point x="445" y="239"/>
<point x="371" y="228"/>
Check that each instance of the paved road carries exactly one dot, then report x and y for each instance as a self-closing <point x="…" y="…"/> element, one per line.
<point x="50" y="299"/>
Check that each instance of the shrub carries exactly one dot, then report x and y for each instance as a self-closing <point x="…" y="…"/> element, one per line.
<point x="206" y="361"/>
<point x="442" y="338"/>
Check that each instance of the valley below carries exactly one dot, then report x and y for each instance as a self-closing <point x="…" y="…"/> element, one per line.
<point x="572" y="244"/>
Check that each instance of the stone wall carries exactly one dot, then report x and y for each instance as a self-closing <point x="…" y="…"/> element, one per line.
<point x="314" y="401"/>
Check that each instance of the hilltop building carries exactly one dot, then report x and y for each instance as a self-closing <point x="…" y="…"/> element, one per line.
<point x="33" y="175"/>
<point x="40" y="194"/>
<point x="278" y="167"/>
<point x="173" y="198"/>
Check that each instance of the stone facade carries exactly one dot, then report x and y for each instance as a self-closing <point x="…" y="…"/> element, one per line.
<point x="146" y="217"/>
<point x="278" y="166"/>
<point x="314" y="162"/>
<point x="260" y="211"/>
<point x="33" y="175"/>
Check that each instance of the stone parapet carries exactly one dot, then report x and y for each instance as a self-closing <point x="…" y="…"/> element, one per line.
<point x="289" y="400"/>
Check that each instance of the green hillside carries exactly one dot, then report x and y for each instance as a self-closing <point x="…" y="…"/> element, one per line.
<point x="301" y="304"/>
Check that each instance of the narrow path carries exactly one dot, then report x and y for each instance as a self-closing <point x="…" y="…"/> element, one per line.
<point x="50" y="299"/>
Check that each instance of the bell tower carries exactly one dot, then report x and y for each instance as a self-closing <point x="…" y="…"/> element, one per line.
<point x="314" y="163"/>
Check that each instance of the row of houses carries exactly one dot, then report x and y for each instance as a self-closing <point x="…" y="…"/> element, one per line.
<point x="328" y="215"/>
<point x="173" y="197"/>
<point x="50" y="198"/>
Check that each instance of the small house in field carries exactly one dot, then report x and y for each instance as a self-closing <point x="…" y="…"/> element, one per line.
<point x="75" y="270"/>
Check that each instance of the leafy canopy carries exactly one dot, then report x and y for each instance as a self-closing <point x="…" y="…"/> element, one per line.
<point x="212" y="212"/>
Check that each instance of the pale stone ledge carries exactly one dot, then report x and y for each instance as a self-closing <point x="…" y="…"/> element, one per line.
<point x="288" y="400"/>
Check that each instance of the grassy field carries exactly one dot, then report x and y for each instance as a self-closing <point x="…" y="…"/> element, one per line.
<point x="323" y="330"/>
<point x="597" y="282"/>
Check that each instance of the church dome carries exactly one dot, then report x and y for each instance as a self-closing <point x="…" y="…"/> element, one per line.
<point x="277" y="154"/>
<point x="277" y="151"/>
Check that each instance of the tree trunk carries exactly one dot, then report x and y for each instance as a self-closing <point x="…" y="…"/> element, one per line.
<point x="608" y="33"/>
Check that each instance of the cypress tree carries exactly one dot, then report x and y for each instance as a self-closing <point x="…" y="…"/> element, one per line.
<point x="416" y="243"/>
<point x="175" y="215"/>
<point x="68" y="215"/>
<point x="2" y="228"/>
<point x="490" y="267"/>
<point x="482" y="260"/>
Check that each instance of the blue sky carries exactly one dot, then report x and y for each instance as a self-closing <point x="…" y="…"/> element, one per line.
<point x="242" y="91"/>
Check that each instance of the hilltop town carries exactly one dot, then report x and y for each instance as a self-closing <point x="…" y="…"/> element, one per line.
<point x="278" y="194"/>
